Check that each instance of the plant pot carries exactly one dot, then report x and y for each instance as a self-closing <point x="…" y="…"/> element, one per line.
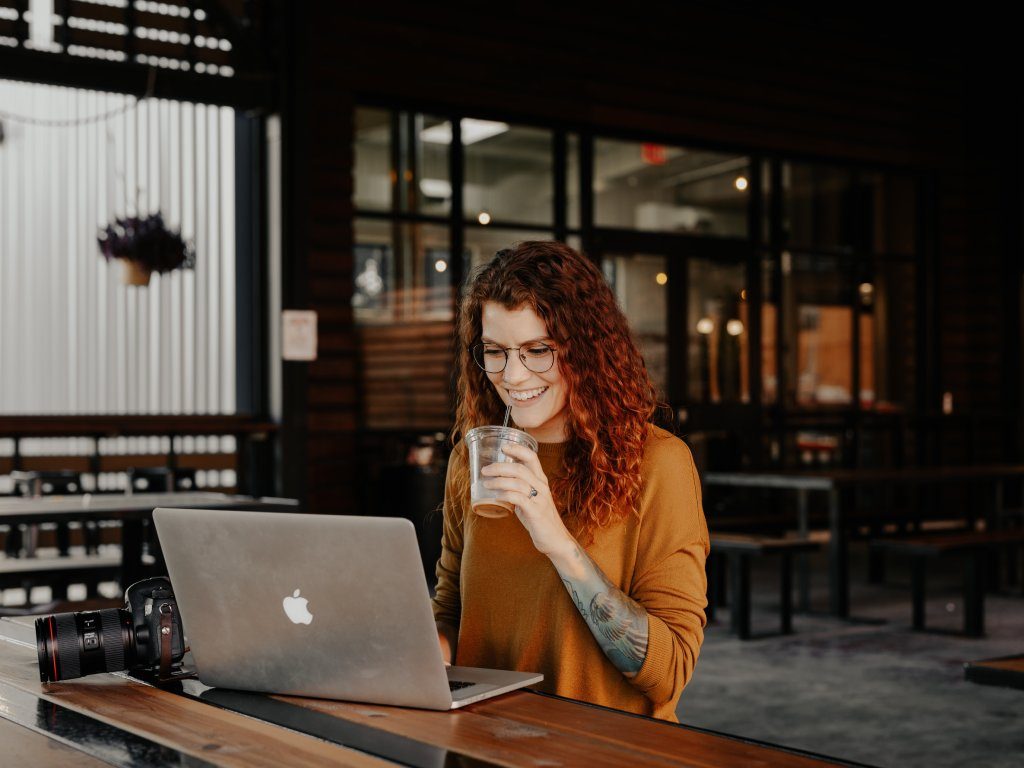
<point x="135" y="273"/>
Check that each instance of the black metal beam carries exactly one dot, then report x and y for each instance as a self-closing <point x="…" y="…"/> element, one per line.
<point x="21" y="26"/>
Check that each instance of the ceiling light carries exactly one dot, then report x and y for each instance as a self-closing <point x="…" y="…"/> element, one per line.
<point x="439" y="188"/>
<point x="472" y="131"/>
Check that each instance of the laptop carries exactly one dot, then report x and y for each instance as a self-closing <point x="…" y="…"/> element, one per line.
<point x="329" y="606"/>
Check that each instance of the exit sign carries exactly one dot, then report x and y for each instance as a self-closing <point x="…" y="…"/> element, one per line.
<point x="653" y="154"/>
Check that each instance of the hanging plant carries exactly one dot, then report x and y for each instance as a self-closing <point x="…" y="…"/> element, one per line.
<point x="145" y="245"/>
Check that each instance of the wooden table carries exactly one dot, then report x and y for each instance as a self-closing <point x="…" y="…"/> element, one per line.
<point x="131" y="510"/>
<point x="834" y="482"/>
<point x="114" y="719"/>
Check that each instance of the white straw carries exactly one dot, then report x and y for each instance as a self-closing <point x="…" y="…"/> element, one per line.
<point x="507" y="412"/>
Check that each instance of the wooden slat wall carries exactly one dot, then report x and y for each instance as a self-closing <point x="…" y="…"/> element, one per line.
<point x="406" y="371"/>
<point x="824" y="86"/>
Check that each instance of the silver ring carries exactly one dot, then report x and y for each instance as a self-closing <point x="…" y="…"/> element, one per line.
<point x="533" y="491"/>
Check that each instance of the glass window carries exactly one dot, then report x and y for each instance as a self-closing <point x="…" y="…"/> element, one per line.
<point x="655" y="187"/>
<point x="509" y="173"/>
<point x="572" y="182"/>
<point x="401" y="272"/>
<point x="766" y="202"/>
<point x="887" y="311"/>
<point x="769" y="332"/>
<point x="421" y="181"/>
<point x="483" y="242"/>
<point x="640" y="285"/>
<point x="426" y="184"/>
<point x="819" y="316"/>
<point x="893" y="204"/>
<point x="818" y="207"/>
<point x="717" y="332"/>
<point x="838" y="208"/>
<point x="373" y="172"/>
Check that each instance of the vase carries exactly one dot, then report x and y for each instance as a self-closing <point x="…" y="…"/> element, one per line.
<point x="135" y="273"/>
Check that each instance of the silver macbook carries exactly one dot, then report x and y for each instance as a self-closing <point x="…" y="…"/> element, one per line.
<point x="329" y="606"/>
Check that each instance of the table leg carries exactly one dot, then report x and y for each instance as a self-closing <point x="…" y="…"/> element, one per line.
<point x="1020" y="573"/>
<point x="739" y="600"/>
<point x="803" y="561"/>
<point x="63" y="539"/>
<point x="974" y="592"/>
<point x="918" y="571"/>
<point x="838" y="578"/>
<point x="993" y="522"/>
<point x="1012" y="567"/>
<point x="786" y="596"/>
<point x="12" y="546"/>
<point x="710" y="569"/>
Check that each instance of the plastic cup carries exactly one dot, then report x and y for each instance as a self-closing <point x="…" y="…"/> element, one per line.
<point x="485" y="447"/>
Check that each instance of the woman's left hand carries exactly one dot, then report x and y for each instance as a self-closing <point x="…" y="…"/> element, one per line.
<point x="537" y="512"/>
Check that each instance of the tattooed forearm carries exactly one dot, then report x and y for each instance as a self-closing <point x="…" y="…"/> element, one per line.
<point x="617" y="622"/>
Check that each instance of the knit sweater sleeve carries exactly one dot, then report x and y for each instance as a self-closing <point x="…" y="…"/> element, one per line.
<point x="447" y="603"/>
<point x="669" y="579"/>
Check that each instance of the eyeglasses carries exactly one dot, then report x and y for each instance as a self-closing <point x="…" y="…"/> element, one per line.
<point x="537" y="357"/>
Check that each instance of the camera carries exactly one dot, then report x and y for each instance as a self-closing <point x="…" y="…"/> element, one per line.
<point x="146" y="634"/>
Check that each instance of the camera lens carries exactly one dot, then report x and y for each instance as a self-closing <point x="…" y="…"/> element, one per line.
<point x="71" y="645"/>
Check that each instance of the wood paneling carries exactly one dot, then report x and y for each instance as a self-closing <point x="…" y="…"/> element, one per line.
<point x="406" y="369"/>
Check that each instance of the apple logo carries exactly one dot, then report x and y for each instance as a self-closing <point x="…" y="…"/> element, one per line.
<point x="296" y="609"/>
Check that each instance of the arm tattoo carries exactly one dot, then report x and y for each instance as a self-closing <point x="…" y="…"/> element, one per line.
<point x="618" y="623"/>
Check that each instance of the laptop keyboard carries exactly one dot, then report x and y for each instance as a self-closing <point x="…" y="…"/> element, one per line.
<point x="455" y="685"/>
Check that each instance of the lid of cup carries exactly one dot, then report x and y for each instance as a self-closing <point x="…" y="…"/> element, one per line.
<point x="505" y="433"/>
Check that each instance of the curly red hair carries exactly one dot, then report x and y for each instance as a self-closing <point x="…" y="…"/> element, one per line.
<point x="610" y="396"/>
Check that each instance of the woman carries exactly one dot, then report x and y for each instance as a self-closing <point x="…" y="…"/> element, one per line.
<point x="598" y="579"/>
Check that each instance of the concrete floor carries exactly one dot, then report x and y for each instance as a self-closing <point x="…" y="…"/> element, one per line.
<point x="872" y="692"/>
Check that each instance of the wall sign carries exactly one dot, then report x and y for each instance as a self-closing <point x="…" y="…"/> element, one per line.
<point x="298" y="335"/>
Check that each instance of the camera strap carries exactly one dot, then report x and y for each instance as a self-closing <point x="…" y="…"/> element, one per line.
<point x="166" y="638"/>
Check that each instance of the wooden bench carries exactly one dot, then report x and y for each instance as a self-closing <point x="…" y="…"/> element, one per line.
<point x="975" y="545"/>
<point x="738" y="549"/>
<point x="1006" y="671"/>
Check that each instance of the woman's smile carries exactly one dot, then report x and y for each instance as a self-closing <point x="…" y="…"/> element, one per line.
<point x="525" y="398"/>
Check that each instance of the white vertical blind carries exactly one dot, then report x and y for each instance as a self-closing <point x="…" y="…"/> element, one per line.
<point x="73" y="337"/>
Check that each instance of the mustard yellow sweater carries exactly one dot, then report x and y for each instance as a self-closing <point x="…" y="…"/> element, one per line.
<point x="513" y="611"/>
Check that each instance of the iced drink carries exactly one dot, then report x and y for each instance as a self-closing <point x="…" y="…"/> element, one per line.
<point x="485" y="447"/>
